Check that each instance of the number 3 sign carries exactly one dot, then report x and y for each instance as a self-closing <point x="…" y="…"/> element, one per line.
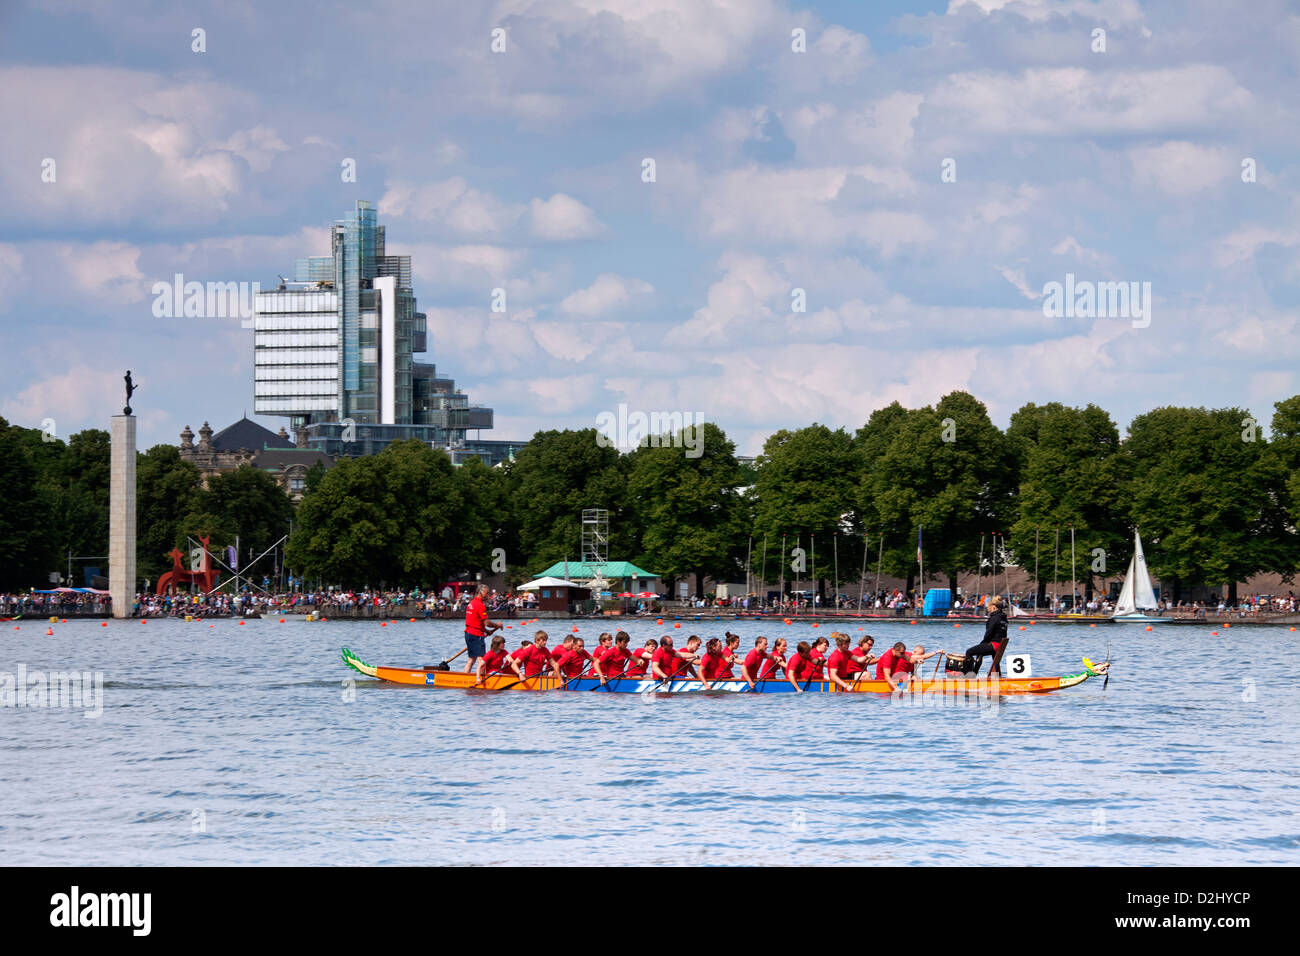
<point x="1018" y="666"/>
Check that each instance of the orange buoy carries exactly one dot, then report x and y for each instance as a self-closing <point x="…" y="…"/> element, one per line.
<point x="659" y="621"/>
<point x="509" y="626"/>
<point x="241" y="623"/>
<point x="675" y="625"/>
<point x="101" y="624"/>
<point x="1022" y="627"/>
<point x="575" y="628"/>
<point x="959" y="625"/>
<point x="787" y="620"/>
<point x="142" y="620"/>
<point x="1289" y="628"/>
<point x="49" y="631"/>
<point x="15" y="627"/>
<point x="1229" y="624"/>
<point x="412" y="620"/>
<point x="1214" y="634"/>
<point x="383" y="623"/>
<point x="212" y="625"/>
<point x="281" y="620"/>
<point x="1092" y="625"/>
<point x="816" y="625"/>
<point x="911" y="622"/>
<point x="1149" y="627"/>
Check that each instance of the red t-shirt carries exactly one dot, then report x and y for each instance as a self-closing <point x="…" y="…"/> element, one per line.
<point x="636" y="666"/>
<point x="571" y="661"/>
<point x="535" y="659"/>
<point x="841" y="663"/>
<point x="800" y="667"/>
<point x="493" y="661"/>
<point x="667" y="660"/>
<point x="818" y="662"/>
<point x="476" y="617"/>
<point x="775" y="662"/>
<point x="889" y="664"/>
<point x="729" y="657"/>
<point x="612" y="661"/>
<point x="753" y="663"/>
<point x="713" y="664"/>
<point x="903" y="665"/>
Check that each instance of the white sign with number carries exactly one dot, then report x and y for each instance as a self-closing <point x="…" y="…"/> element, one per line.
<point x="1018" y="666"/>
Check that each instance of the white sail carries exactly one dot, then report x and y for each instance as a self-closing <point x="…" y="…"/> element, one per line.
<point x="1145" y="597"/>
<point x="1137" y="594"/>
<point x="1125" y="604"/>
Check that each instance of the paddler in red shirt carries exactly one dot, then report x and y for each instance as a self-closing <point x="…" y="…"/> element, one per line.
<point x="572" y="660"/>
<point x="640" y="659"/>
<point x="610" y="664"/>
<point x="689" y="657"/>
<point x="818" y="657"/>
<point x="754" y="661"/>
<point x="731" y="651"/>
<point x="775" y="660"/>
<point x="604" y="643"/>
<point x="841" y="665"/>
<point x="494" y="661"/>
<point x="862" y="656"/>
<point x="534" y="659"/>
<point x="890" y="663"/>
<point x="799" y="668"/>
<point x="714" y="661"/>
<point x="477" y="627"/>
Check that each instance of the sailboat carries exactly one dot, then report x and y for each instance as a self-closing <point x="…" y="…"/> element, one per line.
<point x="1137" y="595"/>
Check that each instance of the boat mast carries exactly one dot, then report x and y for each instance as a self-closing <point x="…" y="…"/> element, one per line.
<point x="1056" y="571"/>
<point x="880" y="557"/>
<point x="1035" y="570"/>
<point x="1074" y="599"/>
<point x="862" y="579"/>
<point x="979" y="571"/>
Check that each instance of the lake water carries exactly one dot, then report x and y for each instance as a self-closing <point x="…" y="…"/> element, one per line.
<point x="239" y="744"/>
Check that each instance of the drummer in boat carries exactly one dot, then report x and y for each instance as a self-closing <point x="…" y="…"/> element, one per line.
<point x="995" y="639"/>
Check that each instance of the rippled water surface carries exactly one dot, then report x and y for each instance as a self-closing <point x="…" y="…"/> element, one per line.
<point x="236" y="744"/>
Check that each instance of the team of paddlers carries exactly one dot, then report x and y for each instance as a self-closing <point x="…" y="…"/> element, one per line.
<point x="718" y="659"/>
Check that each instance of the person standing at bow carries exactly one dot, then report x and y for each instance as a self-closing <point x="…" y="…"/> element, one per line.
<point x="477" y="627"/>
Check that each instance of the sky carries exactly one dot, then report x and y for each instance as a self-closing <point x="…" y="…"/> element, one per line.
<point x="920" y="170"/>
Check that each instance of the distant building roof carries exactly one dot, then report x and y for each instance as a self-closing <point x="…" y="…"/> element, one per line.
<point x="247" y="434"/>
<point x="281" y="458"/>
<point x="587" y="570"/>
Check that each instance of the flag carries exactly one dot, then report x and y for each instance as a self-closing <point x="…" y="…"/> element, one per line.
<point x="918" y="545"/>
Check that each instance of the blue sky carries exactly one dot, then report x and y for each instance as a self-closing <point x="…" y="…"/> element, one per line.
<point x="775" y="170"/>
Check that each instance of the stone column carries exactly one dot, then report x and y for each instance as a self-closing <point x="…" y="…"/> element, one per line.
<point x="121" y="514"/>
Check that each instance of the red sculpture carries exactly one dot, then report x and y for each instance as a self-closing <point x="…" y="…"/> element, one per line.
<point x="205" y="577"/>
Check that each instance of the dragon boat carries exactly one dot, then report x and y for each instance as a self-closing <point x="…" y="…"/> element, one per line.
<point x="433" y="676"/>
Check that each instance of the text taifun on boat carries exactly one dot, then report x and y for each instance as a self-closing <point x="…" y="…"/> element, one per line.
<point x="1137" y="595"/>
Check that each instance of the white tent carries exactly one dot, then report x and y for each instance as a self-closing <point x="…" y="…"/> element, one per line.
<point x="549" y="583"/>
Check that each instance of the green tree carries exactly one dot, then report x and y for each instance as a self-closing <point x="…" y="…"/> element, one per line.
<point x="1208" y="498"/>
<point x="804" y="490"/>
<point x="247" y="505"/>
<point x="25" y="512"/>
<point x="947" y="470"/>
<point x="1071" y="475"/>
<point x="396" y="518"/>
<point x="689" y="510"/>
<point x="553" y="478"/>
<point x="167" y="492"/>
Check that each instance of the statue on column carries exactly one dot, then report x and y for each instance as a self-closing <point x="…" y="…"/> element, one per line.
<point x="130" y="387"/>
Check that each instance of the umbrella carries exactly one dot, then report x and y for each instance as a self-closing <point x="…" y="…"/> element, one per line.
<point x="625" y="594"/>
<point x="647" y="594"/>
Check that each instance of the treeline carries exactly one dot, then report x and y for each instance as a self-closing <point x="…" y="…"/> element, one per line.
<point x="54" y="503"/>
<point x="1215" y="501"/>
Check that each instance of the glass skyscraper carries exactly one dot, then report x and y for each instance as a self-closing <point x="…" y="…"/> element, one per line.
<point x="333" y="351"/>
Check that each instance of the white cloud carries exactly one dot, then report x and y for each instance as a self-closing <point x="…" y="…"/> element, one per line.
<point x="607" y="293"/>
<point x="1181" y="168"/>
<point x="104" y="270"/>
<point x="563" y="217"/>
